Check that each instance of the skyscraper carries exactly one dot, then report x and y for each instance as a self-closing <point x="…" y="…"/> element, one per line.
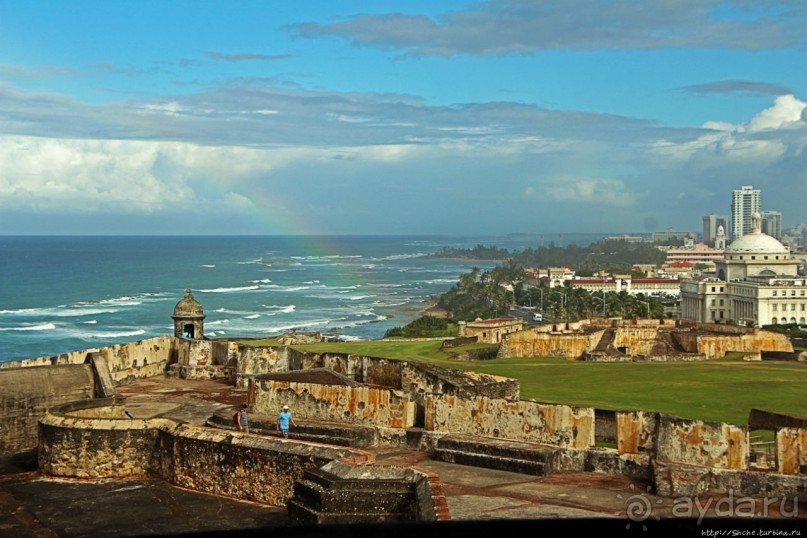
<point x="711" y="223"/>
<point x="744" y="204"/>
<point x="772" y="223"/>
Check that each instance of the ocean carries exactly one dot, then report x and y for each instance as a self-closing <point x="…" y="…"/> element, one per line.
<point x="65" y="293"/>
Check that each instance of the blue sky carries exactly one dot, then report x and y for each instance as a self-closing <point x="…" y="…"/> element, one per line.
<point x="455" y="117"/>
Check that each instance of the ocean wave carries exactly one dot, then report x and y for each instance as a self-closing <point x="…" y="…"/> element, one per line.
<point x="252" y="316"/>
<point x="39" y="327"/>
<point x="359" y="297"/>
<point x="288" y="309"/>
<point x="209" y="266"/>
<point x="230" y="290"/>
<point x="394" y="257"/>
<point x="115" y="334"/>
<point x="261" y="281"/>
<point x="328" y="257"/>
<point x="58" y="312"/>
<point x="91" y="322"/>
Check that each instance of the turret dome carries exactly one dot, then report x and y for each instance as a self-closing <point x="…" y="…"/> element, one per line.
<point x="188" y="307"/>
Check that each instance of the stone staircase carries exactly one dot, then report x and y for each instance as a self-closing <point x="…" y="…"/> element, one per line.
<point x="493" y="453"/>
<point x="331" y="433"/>
<point x="338" y="493"/>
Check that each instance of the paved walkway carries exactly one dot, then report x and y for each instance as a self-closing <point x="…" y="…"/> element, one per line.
<point x="32" y="506"/>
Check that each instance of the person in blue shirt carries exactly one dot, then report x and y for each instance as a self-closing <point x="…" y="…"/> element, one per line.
<point x="283" y="421"/>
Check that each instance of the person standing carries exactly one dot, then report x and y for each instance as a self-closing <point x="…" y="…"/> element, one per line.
<point x="242" y="419"/>
<point x="284" y="419"/>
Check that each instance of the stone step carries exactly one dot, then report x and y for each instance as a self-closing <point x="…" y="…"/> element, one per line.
<point x="368" y="498"/>
<point x="331" y="481"/>
<point x="300" y="514"/>
<point x="537" y="468"/>
<point x="502" y="448"/>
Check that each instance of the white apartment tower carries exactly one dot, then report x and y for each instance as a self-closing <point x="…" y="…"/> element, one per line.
<point x="744" y="203"/>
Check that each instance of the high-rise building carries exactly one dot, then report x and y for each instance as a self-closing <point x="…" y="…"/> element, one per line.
<point x="723" y="221"/>
<point x="772" y="223"/>
<point x="744" y="203"/>
<point x="711" y="223"/>
<point x="709" y="228"/>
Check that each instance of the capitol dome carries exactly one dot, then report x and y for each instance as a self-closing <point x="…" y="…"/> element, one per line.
<point x="756" y="242"/>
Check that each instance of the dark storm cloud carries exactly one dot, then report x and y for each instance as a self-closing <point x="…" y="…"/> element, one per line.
<point x="501" y="27"/>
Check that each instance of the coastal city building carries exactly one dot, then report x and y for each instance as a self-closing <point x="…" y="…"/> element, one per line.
<point x="756" y="283"/>
<point x="744" y="203"/>
<point x="671" y="235"/>
<point x="558" y="277"/>
<point x="699" y="253"/>
<point x="711" y="223"/>
<point x="772" y="224"/>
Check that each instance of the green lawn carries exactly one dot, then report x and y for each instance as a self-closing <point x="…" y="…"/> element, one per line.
<point x="721" y="390"/>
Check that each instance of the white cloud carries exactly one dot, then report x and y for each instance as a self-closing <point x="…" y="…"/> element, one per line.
<point x="786" y="113"/>
<point x="780" y="124"/>
<point x="600" y="191"/>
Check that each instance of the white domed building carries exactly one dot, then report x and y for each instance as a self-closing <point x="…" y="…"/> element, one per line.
<point x="756" y="283"/>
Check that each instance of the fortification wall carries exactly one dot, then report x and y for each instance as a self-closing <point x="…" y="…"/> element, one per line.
<point x="380" y="407"/>
<point x="636" y="432"/>
<point x="260" y="360"/>
<point x="559" y="425"/>
<point x="132" y="360"/>
<point x="27" y="393"/>
<point x="637" y="340"/>
<point x="240" y="466"/>
<point x="791" y="451"/>
<point x="531" y="343"/>
<point x="716" y="346"/>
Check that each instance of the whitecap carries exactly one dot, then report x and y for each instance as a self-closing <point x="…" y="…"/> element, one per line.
<point x="230" y="290"/>
<point x="208" y="266"/>
<point x="111" y="334"/>
<point x="253" y="316"/>
<point x="39" y="327"/>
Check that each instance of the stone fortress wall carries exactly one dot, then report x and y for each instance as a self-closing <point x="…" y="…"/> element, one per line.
<point x="409" y="403"/>
<point x="645" y="339"/>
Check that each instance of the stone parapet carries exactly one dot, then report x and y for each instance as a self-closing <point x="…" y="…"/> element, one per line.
<point x="560" y="425"/>
<point x="235" y="465"/>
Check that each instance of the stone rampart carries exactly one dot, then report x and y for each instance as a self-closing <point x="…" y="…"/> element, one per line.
<point x="132" y="360"/>
<point x="532" y="343"/>
<point x="380" y="407"/>
<point x="240" y="466"/>
<point x="560" y="425"/>
<point x="717" y="445"/>
<point x="636" y="432"/>
<point x="27" y="393"/>
<point x="716" y="346"/>
<point x="260" y="360"/>
<point x="791" y="451"/>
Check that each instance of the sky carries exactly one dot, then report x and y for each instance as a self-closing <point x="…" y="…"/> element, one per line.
<point x="415" y="117"/>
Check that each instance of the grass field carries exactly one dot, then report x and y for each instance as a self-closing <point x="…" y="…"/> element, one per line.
<point x="720" y="390"/>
